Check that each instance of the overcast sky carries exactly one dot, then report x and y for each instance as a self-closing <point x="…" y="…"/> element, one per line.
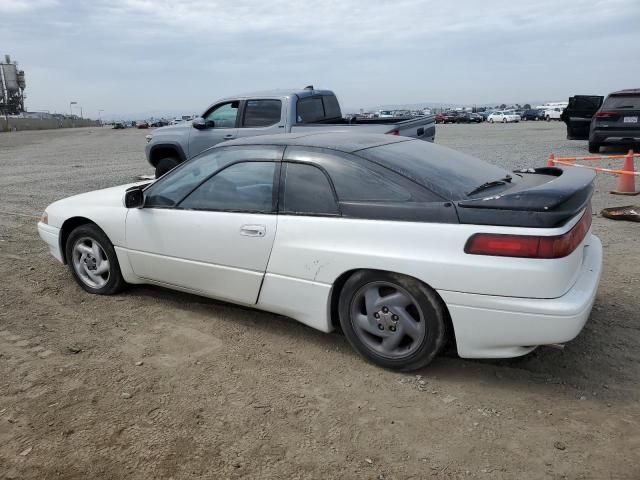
<point x="128" y="56"/>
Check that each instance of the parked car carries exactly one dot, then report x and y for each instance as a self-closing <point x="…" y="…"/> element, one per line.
<point x="578" y="113"/>
<point x="283" y="111"/>
<point x="143" y="124"/>
<point x="502" y="116"/>
<point x="439" y="118"/>
<point x="532" y="115"/>
<point x="553" y="113"/>
<point x="405" y="244"/>
<point x="384" y="114"/>
<point x="468" y="117"/>
<point x="119" y="125"/>
<point x="485" y="114"/>
<point x="616" y="122"/>
<point x="450" y="117"/>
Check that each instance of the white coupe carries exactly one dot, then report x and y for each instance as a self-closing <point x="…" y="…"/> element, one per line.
<point x="404" y="244"/>
<point x="504" y="117"/>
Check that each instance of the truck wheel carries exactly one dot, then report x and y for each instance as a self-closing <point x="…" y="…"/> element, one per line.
<point x="165" y="165"/>
<point x="594" y="147"/>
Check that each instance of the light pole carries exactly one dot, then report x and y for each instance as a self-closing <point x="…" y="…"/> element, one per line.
<point x="100" y="117"/>
<point x="71" y="108"/>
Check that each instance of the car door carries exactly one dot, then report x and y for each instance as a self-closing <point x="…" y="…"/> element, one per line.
<point x="224" y="127"/>
<point x="211" y="228"/>
<point x="261" y="117"/>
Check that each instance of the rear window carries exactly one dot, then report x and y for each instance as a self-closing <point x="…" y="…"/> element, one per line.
<point x="317" y="109"/>
<point x="445" y="171"/>
<point x="631" y="102"/>
<point x="585" y="103"/>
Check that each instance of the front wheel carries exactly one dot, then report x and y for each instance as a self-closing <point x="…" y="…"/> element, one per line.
<point x="165" y="165"/>
<point x="392" y="320"/>
<point x="491" y="120"/>
<point x="504" y="120"/>
<point x="93" y="261"/>
<point x="594" y="147"/>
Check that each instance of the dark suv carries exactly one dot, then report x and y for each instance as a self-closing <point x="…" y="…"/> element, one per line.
<point x="616" y="122"/>
<point x="578" y="114"/>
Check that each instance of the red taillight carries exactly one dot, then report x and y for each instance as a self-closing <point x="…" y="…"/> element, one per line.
<point x="609" y="115"/>
<point x="530" y="246"/>
<point x="393" y="132"/>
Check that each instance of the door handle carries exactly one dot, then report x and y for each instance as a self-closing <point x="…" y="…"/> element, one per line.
<point x="253" y="230"/>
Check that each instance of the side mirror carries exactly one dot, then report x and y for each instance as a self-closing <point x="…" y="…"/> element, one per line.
<point x="202" y="124"/>
<point x="133" y="197"/>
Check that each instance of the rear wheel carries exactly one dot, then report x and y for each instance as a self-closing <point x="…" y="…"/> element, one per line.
<point x="504" y="120"/>
<point x="165" y="165"/>
<point x="491" y="120"/>
<point x="93" y="261"/>
<point x="392" y="320"/>
<point x="594" y="147"/>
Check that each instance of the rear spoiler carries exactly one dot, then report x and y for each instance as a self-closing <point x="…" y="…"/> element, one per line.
<point x="548" y="204"/>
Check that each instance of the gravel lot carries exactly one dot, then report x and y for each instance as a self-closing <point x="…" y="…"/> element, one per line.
<point x="157" y="384"/>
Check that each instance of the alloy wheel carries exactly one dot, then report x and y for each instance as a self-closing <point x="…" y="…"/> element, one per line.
<point x="388" y="319"/>
<point x="90" y="262"/>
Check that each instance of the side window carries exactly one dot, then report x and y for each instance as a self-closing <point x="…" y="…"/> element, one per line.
<point x="307" y="191"/>
<point x="309" y="110"/>
<point x="241" y="187"/>
<point x="224" y="116"/>
<point x="261" y="113"/>
<point x="172" y="188"/>
<point x="356" y="183"/>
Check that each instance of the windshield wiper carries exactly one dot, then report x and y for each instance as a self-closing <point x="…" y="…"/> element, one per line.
<point x="492" y="183"/>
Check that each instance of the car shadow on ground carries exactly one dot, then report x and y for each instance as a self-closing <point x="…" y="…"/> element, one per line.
<point x="582" y="367"/>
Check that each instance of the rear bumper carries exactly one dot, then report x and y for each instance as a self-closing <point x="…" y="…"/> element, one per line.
<point x="498" y="327"/>
<point x="614" y="136"/>
<point x="51" y="236"/>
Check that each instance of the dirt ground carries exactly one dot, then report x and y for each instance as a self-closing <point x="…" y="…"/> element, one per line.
<point x="153" y="384"/>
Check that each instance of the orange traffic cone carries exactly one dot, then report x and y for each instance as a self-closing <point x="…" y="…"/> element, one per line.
<point x="627" y="183"/>
<point x="550" y="162"/>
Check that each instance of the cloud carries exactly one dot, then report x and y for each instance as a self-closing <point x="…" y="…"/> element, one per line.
<point x="131" y="55"/>
<point x="21" y="6"/>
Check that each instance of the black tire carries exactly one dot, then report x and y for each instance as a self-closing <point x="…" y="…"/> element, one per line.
<point x="504" y="120"/>
<point x="426" y="306"/>
<point x="548" y="119"/>
<point x="594" y="147"/>
<point x="165" y="165"/>
<point x="91" y="232"/>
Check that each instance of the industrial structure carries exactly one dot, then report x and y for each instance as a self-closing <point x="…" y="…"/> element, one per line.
<point x="12" y="85"/>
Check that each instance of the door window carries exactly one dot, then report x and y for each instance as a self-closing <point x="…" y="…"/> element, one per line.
<point x="241" y="187"/>
<point x="177" y="184"/>
<point x="261" y="113"/>
<point x="307" y="191"/>
<point x="224" y="116"/>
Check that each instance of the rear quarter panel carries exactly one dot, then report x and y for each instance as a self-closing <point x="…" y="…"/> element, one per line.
<point x="320" y="249"/>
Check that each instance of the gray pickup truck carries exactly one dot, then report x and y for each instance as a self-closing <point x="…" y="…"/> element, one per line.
<point x="265" y="113"/>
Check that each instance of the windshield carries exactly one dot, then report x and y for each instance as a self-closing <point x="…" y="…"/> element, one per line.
<point x="628" y="102"/>
<point x="443" y="170"/>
